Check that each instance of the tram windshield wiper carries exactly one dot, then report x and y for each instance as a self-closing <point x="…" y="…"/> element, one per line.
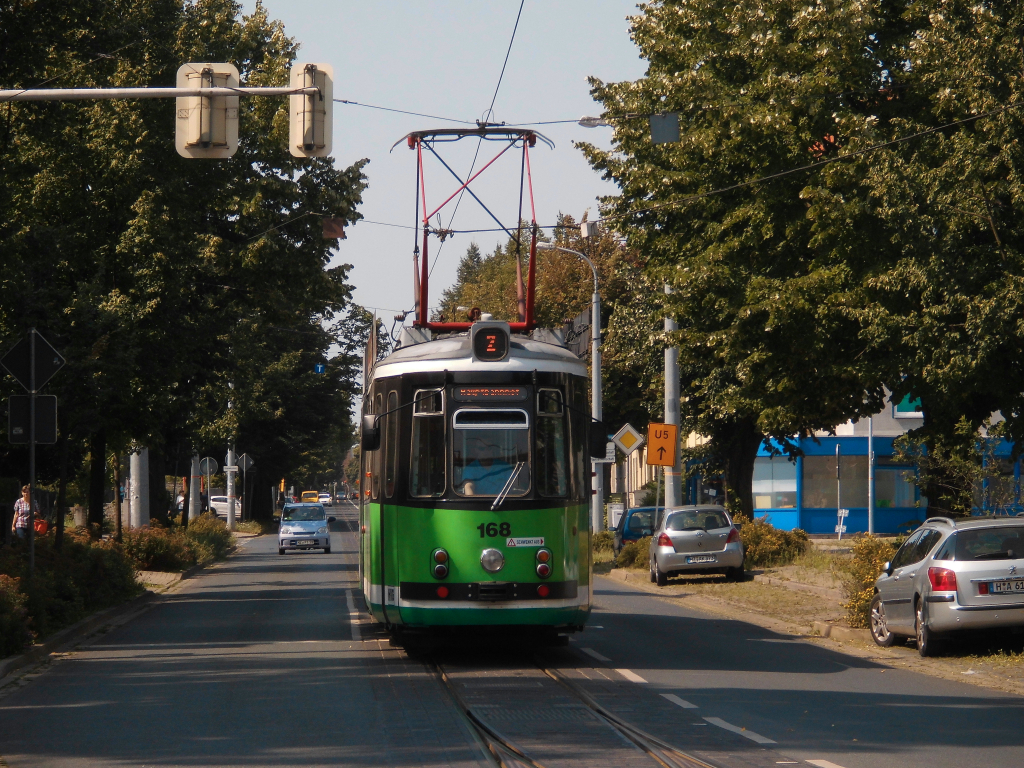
<point x="508" y="486"/>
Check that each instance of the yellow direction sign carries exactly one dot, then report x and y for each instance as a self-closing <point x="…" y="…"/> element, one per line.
<point x="662" y="444"/>
<point x="628" y="439"/>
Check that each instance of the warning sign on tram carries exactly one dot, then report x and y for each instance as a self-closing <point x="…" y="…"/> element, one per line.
<point x="537" y="541"/>
<point x="662" y="444"/>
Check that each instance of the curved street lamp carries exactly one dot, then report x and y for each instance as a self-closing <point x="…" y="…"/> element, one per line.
<point x="597" y="506"/>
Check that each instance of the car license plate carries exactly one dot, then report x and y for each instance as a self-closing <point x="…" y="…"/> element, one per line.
<point x="999" y="587"/>
<point x="701" y="559"/>
<point x="305" y="542"/>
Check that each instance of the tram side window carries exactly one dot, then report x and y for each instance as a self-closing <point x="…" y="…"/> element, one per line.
<point x="427" y="459"/>
<point x="488" y="447"/>
<point x="391" y="466"/>
<point x="378" y="403"/>
<point x="550" y="466"/>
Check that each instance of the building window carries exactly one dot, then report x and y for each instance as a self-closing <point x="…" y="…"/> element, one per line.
<point x="894" y="487"/>
<point x="819" y="489"/>
<point x="774" y="483"/>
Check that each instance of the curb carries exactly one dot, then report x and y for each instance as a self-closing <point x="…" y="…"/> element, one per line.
<point x="69" y="634"/>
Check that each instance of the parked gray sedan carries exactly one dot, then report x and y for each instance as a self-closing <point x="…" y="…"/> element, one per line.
<point x="697" y="539"/>
<point x="304" y="526"/>
<point x="951" y="576"/>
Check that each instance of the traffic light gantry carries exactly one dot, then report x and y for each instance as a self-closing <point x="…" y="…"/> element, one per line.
<point x="206" y="106"/>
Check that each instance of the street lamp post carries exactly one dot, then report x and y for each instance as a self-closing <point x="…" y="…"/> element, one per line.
<point x="597" y="505"/>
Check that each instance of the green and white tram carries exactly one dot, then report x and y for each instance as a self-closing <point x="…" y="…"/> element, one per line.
<point x="474" y="508"/>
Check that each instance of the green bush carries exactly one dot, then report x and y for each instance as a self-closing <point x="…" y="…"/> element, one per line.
<point x="602" y="541"/>
<point x="766" y="545"/>
<point x="251" y="526"/>
<point x="153" y="548"/>
<point x="210" y="536"/>
<point x="869" y="555"/>
<point x="634" y="554"/>
<point x="14" y="621"/>
<point x="86" y="576"/>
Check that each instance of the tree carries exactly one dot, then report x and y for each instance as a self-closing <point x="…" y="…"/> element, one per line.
<point x="765" y="298"/>
<point x="172" y="286"/>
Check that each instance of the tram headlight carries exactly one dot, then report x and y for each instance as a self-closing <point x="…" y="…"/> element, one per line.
<point x="440" y="558"/>
<point x="492" y="560"/>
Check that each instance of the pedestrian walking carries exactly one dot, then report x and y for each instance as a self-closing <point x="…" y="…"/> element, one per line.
<point x="23" y="513"/>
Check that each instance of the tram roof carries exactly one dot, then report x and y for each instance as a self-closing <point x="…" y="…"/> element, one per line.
<point x="454" y="353"/>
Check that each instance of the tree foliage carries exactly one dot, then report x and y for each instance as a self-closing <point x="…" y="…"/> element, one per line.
<point x="174" y="286"/>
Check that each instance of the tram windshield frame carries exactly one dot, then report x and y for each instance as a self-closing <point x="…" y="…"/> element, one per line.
<point x="487" y="445"/>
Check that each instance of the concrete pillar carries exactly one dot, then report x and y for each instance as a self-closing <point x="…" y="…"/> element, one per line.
<point x="194" y="502"/>
<point x="673" y="475"/>
<point x="140" y="488"/>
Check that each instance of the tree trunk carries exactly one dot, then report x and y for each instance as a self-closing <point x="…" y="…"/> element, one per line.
<point x="158" y="502"/>
<point x="739" y="453"/>
<point x="97" y="479"/>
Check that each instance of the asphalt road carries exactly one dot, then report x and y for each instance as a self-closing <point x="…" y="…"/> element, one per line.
<point x="265" y="660"/>
<point x="815" y="703"/>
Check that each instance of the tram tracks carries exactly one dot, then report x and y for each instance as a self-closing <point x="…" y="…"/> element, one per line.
<point x="504" y="752"/>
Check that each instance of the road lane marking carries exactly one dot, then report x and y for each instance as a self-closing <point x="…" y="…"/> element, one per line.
<point x="824" y="764"/>
<point x="594" y="654"/>
<point x="676" y="700"/>
<point x="743" y="732"/>
<point x="353" y="616"/>
<point x="633" y="677"/>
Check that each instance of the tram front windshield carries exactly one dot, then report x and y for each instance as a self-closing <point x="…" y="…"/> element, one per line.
<point x="488" y="447"/>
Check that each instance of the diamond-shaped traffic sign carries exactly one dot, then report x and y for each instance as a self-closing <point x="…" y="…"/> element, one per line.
<point x="19" y="361"/>
<point x="628" y="439"/>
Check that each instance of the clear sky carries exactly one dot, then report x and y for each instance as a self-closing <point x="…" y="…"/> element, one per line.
<point x="444" y="58"/>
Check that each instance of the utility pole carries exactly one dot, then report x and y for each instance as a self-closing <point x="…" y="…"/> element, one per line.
<point x="139" y="464"/>
<point x="871" y="476"/>
<point x="194" y="500"/>
<point x="32" y="454"/>
<point x="673" y="475"/>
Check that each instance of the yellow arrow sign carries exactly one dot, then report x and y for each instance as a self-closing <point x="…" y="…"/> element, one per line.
<point x="662" y="444"/>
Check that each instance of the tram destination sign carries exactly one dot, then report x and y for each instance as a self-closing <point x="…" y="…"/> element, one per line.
<point x="486" y="394"/>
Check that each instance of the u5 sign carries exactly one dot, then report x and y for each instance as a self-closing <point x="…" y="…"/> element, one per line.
<point x="662" y="444"/>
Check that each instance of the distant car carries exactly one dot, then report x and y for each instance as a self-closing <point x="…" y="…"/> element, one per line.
<point x="695" y="539"/>
<point x="310" y="497"/>
<point x="354" y="495"/>
<point x="951" y="576"/>
<point x="325" y="499"/>
<point x="219" y="505"/>
<point x="634" y="524"/>
<point x="304" y="526"/>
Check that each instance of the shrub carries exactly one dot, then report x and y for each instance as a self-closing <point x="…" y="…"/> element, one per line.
<point x="602" y="541"/>
<point x="634" y="554"/>
<point x="251" y="526"/>
<point x="869" y="555"/>
<point x="210" y="535"/>
<point x="14" y="622"/>
<point x="766" y="545"/>
<point x="153" y="548"/>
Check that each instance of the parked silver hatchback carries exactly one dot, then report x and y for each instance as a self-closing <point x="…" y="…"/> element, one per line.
<point x="304" y="526"/>
<point x="951" y="576"/>
<point x="697" y="539"/>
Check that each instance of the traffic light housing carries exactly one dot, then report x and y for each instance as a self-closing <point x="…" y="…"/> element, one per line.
<point x="206" y="126"/>
<point x="311" y="114"/>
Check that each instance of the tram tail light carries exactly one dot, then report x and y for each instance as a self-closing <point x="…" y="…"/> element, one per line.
<point x="543" y="556"/>
<point x="543" y="570"/>
<point x="543" y="590"/>
<point x="665" y="541"/>
<point x="442" y="592"/>
<point x="440" y="558"/>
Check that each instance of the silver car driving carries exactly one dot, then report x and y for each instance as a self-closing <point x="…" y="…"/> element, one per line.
<point x="951" y="576"/>
<point x="697" y="539"/>
<point x="304" y="526"/>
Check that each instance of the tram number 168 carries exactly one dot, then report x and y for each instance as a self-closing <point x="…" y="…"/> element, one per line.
<point x="494" y="529"/>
